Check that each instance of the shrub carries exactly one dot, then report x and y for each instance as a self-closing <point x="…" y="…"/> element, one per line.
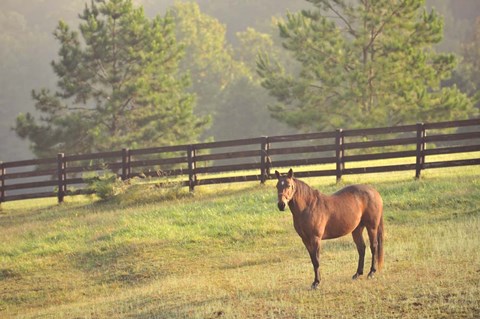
<point x="105" y="185"/>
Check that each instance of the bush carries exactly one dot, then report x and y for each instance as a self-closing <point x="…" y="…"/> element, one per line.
<point x="106" y="185"/>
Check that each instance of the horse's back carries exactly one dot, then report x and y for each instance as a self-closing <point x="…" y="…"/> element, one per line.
<point x="361" y="192"/>
<point x="367" y="197"/>
<point x="357" y="189"/>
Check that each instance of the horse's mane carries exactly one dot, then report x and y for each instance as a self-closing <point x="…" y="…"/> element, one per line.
<point x="305" y="190"/>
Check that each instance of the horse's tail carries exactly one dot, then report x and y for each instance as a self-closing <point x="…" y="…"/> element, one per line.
<point x="380" y="235"/>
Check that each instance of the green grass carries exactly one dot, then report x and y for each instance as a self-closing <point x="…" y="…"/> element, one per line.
<point x="227" y="252"/>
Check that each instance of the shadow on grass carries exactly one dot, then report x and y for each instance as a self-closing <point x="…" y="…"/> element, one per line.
<point x="251" y="263"/>
<point x="185" y="310"/>
<point x="126" y="264"/>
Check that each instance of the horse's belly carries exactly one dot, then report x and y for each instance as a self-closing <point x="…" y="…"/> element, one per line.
<point x="338" y="227"/>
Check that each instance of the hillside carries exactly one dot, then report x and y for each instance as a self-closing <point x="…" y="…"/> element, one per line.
<point x="227" y="252"/>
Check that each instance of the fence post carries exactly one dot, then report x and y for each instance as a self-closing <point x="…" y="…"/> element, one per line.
<point x="339" y="153"/>
<point x="62" y="187"/>
<point x="2" y="183"/>
<point x="126" y="159"/>
<point x="420" y="157"/>
<point x="192" y="177"/>
<point x="264" y="160"/>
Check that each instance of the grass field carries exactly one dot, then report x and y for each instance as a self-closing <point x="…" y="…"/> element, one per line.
<point x="227" y="252"/>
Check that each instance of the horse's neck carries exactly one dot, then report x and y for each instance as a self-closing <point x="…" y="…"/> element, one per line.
<point x="304" y="197"/>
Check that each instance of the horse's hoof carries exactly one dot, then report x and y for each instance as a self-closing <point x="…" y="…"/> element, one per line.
<point x="356" y="276"/>
<point x="371" y="275"/>
<point x="315" y="286"/>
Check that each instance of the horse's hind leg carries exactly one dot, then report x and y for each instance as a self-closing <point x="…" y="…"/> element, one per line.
<point x="372" y="235"/>
<point x="357" y="235"/>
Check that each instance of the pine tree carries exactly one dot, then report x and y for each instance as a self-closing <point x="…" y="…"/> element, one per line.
<point x="363" y="63"/>
<point x="118" y="86"/>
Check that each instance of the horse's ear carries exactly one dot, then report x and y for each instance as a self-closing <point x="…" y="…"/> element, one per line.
<point x="290" y="173"/>
<point x="277" y="174"/>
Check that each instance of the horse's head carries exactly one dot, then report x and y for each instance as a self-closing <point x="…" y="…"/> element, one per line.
<point x="285" y="189"/>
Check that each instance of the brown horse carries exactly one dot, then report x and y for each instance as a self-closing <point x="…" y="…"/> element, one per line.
<point x="317" y="216"/>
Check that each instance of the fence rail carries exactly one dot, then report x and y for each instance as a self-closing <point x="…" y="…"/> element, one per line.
<point x="249" y="159"/>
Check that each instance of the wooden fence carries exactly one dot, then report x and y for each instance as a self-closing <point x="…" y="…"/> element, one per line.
<point x="250" y="159"/>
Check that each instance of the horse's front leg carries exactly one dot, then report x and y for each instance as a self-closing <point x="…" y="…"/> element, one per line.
<point x="314" y="251"/>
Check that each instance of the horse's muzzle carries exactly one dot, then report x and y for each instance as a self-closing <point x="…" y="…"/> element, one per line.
<point x="281" y="206"/>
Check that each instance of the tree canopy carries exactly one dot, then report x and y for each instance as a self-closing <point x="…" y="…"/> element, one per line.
<point x="363" y="63"/>
<point x="221" y="40"/>
<point x="118" y="85"/>
<point x="468" y="74"/>
<point x="208" y="55"/>
<point x="223" y="76"/>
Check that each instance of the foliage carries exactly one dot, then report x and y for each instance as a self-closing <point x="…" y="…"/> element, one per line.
<point x="251" y="43"/>
<point x="242" y="103"/>
<point x="468" y="74"/>
<point x="140" y="191"/>
<point x="372" y="65"/>
<point x="105" y="185"/>
<point x="208" y="56"/>
<point x="111" y="188"/>
<point x="458" y="22"/>
<point x="223" y="76"/>
<point x="26" y="27"/>
<point x="244" y="113"/>
<point x="118" y="85"/>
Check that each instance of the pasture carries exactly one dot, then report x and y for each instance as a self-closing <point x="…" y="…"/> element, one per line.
<point x="227" y="252"/>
